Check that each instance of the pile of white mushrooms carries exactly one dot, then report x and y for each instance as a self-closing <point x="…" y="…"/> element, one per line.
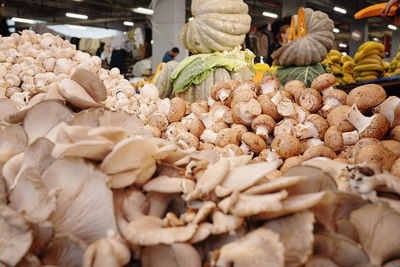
<point x="94" y="174"/>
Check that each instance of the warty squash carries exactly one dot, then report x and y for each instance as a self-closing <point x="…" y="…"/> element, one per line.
<point x="311" y="48"/>
<point x="216" y="26"/>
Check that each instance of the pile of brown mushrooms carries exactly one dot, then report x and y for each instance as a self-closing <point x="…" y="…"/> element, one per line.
<point x="94" y="188"/>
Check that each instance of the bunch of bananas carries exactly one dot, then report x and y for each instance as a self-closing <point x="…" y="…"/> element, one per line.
<point x="393" y="68"/>
<point x="262" y="69"/>
<point x="368" y="59"/>
<point x="341" y="66"/>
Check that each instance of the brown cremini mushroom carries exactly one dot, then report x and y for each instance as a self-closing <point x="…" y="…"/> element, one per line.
<point x="314" y="126"/>
<point x="338" y="117"/>
<point x="253" y="142"/>
<point x="331" y="100"/>
<point x="245" y="112"/>
<point x="395" y="134"/>
<point x="177" y="109"/>
<point x="335" y="139"/>
<point x="366" y="96"/>
<point x="376" y="154"/>
<point x="324" y="83"/>
<point x="286" y="145"/>
<point x="390" y="109"/>
<point x="319" y="151"/>
<point x="269" y="84"/>
<point x="294" y="87"/>
<point x="309" y="99"/>
<point x="221" y="91"/>
<point x="227" y="136"/>
<point x="290" y="162"/>
<point x="263" y="125"/>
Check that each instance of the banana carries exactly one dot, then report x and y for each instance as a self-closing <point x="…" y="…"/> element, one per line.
<point x="335" y="59"/>
<point x="372" y="45"/>
<point x="368" y="67"/>
<point x="364" y="53"/>
<point x="348" y="66"/>
<point x="366" y="78"/>
<point x="336" y="70"/>
<point x="368" y="73"/>
<point x="372" y="59"/>
<point x="334" y="52"/>
<point x="348" y="79"/>
<point x="346" y="58"/>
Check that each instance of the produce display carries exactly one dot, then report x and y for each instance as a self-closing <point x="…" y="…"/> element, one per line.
<point x="393" y="68"/>
<point x="369" y="64"/>
<point x="283" y="171"/>
<point x="342" y="66"/>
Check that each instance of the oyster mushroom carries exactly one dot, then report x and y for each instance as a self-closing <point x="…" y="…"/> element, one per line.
<point x="178" y="254"/>
<point x="286" y="145"/>
<point x="263" y="125"/>
<point x="64" y="251"/>
<point x="92" y="84"/>
<point x="375" y="126"/>
<point x="147" y="231"/>
<point x="324" y="83"/>
<point x="366" y="96"/>
<point x="377" y="235"/>
<point x="260" y="245"/>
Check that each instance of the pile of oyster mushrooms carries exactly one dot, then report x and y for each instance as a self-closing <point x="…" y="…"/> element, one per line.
<point x="94" y="188"/>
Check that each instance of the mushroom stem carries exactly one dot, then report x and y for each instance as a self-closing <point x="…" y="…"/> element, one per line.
<point x="208" y="136"/>
<point x="276" y="98"/>
<point x="305" y="130"/>
<point x="350" y="138"/>
<point x="388" y="107"/>
<point x="245" y="148"/>
<point x="355" y="117"/>
<point x="262" y="130"/>
<point x="223" y="94"/>
<point x="327" y="90"/>
<point x="273" y="156"/>
<point x="330" y="104"/>
<point x="286" y="107"/>
<point x="268" y="87"/>
<point x="245" y="114"/>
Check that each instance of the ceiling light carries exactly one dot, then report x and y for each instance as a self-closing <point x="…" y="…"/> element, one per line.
<point x="77" y="16"/>
<point x="392" y="27"/>
<point x="29" y="21"/>
<point x="143" y="10"/>
<point x="343" y="45"/>
<point x="77" y="27"/>
<point x="335" y="30"/>
<point x="152" y="42"/>
<point x="340" y="10"/>
<point x="344" y="53"/>
<point x="375" y="39"/>
<point x="271" y="15"/>
<point x="190" y="19"/>
<point x="128" y="23"/>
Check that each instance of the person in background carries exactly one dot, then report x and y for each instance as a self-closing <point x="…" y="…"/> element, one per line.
<point x="282" y="36"/>
<point x="395" y="20"/>
<point x="170" y="55"/>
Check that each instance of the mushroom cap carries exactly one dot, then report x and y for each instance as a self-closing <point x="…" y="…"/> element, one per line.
<point x="396" y="168"/>
<point x="248" y="109"/>
<point x="218" y="86"/>
<point x="294" y="87"/>
<point x="286" y="145"/>
<point x="227" y="136"/>
<point x="395" y="133"/>
<point x="234" y="148"/>
<point x="254" y="142"/>
<point x="366" y="96"/>
<point x="376" y="154"/>
<point x="177" y="109"/>
<point x="240" y="128"/>
<point x="323" y="82"/>
<point x="268" y="107"/>
<point x="393" y="146"/>
<point x="269" y="83"/>
<point x="285" y="126"/>
<point x="291" y="162"/>
<point x="64" y="251"/>
<point x="247" y="85"/>
<point x="319" y="261"/>
<point x="189" y="139"/>
<point x="376" y="224"/>
<point x="319" y="123"/>
<point x="378" y="127"/>
<point x="244" y="96"/>
<point x="159" y="121"/>
<point x="93" y="85"/>
<point x="263" y="120"/>
<point x="338" y="94"/>
<point x="75" y="94"/>
<point x="234" y="84"/>
<point x="334" y="139"/>
<point x="319" y="151"/>
<point x="309" y="99"/>
<point x="199" y="107"/>
<point x="88" y="117"/>
<point x="197" y="127"/>
<point x="337" y="117"/>
<point x="218" y="126"/>
<point x="205" y="146"/>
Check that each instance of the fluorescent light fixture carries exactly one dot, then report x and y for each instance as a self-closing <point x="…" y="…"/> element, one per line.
<point x="128" y="23"/>
<point x="29" y="21"/>
<point x="12" y="29"/>
<point x="143" y="10"/>
<point x="190" y="19"/>
<point x="340" y="10"/>
<point x="343" y="45"/>
<point x="76" y="16"/>
<point x="335" y="30"/>
<point x="77" y="27"/>
<point x="392" y="27"/>
<point x="344" y="53"/>
<point x="269" y="14"/>
<point x="375" y="39"/>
